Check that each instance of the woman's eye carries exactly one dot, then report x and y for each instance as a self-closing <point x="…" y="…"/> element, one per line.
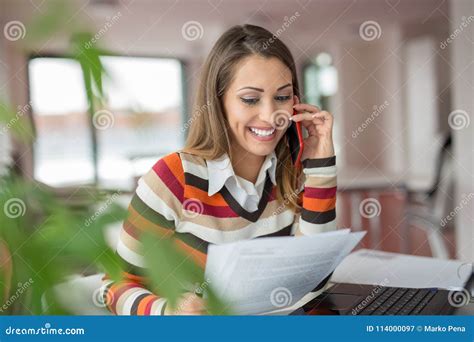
<point x="249" y="101"/>
<point x="282" y="98"/>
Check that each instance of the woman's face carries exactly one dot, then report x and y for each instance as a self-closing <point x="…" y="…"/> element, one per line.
<point x="258" y="98"/>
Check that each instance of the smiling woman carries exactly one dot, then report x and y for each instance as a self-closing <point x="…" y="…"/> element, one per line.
<point x="234" y="180"/>
<point x="244" y="74"/>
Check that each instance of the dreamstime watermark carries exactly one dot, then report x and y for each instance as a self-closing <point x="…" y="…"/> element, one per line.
<point x="363" y="304"/>
<point x="377" y="110"/>
<point x="103" y="119"/>
<point x="281" y="297"/>
<point x="199" y="290"/>
<point x="192" y="30"/>
<point x="194" y="117"/>
<point x="21" y="110"/>
<point x="14" y="208"/>
<point x="102" y="297"/>
<point x="464" y="24"/>
<point x="370" y="208"/>
<point x="103" y="30"/>
<point x="266" y="222"/>
<point x="370" y="30"/>
<point x="14" y="30"/>
<point x="465" y="200"/>
<point x="22" y="287"/>
<point x="458" y="119"/>
<point x="465" y="265"/>
<point x="286" y="200"/>
<point x="46" y="330"/>
<point x="101" y="209"/>
<point x="287" y="21"/>
<point x="280" y="119"/>
<point x="459" y="297"/>
<point x="192" y="207"/>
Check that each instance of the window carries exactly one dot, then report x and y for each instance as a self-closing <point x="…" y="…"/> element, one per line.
<point x="62" y="151"/>
<point x="142" y="121"/>
<point x="320" y="80"/>
<point x="320" y="85"/>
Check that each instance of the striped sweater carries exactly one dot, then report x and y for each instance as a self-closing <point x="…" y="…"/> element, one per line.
<point x="172" y="199"/>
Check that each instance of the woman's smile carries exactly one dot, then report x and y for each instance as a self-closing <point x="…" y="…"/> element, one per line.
<point x="262" y="133"/>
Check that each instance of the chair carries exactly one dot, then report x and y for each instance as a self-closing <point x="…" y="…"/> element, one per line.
<point x="431" y="211"/>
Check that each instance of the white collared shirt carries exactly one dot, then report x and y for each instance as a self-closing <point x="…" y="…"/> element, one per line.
<point x="247" y="194"/>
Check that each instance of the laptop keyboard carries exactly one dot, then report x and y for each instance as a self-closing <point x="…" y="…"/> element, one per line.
<point x="396" y="301"/>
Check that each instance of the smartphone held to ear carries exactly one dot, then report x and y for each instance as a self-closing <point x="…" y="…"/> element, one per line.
<point x="295" y="142"/>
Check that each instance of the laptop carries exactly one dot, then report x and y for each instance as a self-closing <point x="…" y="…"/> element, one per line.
<point x="357" y="299"/>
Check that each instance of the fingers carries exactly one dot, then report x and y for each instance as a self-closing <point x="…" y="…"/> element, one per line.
<point x="190" y="304"/>
<point x="302" y="117"/>
<point x="322" y="117"/>
<point x="310" y="116"/>
<point x="300" y="107"/>
<point x="305" y="119"/>
<point x="316" y="118"/>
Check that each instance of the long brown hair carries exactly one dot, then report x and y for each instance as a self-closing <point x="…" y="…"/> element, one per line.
<point x="208" y="134"/>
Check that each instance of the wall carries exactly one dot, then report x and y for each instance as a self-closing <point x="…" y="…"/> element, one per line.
<point x="463" y="89"/>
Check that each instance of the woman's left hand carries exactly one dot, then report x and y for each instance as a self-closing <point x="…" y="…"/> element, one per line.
<point x="319" y="124"/>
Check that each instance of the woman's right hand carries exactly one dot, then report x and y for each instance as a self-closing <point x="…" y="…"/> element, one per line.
<point x="189" y="304"/>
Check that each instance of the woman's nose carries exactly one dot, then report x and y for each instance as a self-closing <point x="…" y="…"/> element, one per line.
<point x="275" y="115"/>
<point x="266" y="111"/>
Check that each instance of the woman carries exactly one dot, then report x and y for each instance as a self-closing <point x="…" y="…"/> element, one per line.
<point x="234" y="179"/>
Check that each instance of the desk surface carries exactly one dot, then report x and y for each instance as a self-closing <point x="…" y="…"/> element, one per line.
<point x="374" y="267"/>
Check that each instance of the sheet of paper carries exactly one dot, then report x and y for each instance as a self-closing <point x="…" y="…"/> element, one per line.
<point x="262" y="275"/>
<point x="400" y="270"/>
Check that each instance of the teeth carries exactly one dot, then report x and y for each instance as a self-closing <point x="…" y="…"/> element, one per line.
<point x="261" y="132"/>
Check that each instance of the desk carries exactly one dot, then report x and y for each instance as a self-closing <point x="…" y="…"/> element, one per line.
<point x="373" y="267"/>
<point x="364" y="266"/>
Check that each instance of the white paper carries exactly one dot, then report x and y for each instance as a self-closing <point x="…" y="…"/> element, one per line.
<point x="399" y="270"/>
<point x="262" y="275"/>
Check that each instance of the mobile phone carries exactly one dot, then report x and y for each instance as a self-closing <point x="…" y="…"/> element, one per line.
<point x="295" y="142"/>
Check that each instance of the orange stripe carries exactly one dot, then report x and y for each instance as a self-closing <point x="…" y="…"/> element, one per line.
<point x="316" y="204"/>
<point x="140" y="222"/>
<point x="173" y="161"/>
<point x="124" y="283"/>
<point x="198" y="256"/>
<point x="112" y="293"/>
<point x="134" y="278"/>
<point x="143" y="303"/>
<point x="215" y="200"/>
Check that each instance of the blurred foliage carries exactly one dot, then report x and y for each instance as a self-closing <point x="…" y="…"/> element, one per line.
<point x="47" y="241"/>
<point x="43" y="239"/>
<point x="15" y="122"/>
<point x="173" y="272"/>
<point x="93" y="71"/>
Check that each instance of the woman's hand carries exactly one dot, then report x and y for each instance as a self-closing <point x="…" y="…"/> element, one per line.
<point x="188" y="305"/>
<point x="319" y="124"/>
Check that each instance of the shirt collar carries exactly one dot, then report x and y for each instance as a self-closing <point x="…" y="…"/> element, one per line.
<point x="220" y="170"/>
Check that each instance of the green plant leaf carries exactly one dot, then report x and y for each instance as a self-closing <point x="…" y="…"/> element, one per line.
<point x="173" y="272"/>
<point x="16" y="122"/>
<point x="58" y="17"/>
